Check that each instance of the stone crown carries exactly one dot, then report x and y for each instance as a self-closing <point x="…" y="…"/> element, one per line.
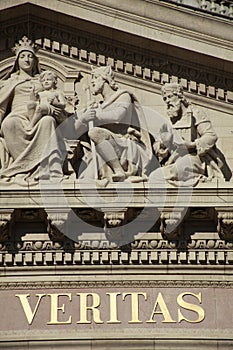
<point x="25" y="44"/>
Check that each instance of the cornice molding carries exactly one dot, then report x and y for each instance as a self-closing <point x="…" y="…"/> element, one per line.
<point x="146" y="66"/>
<point x="40" y="254"/>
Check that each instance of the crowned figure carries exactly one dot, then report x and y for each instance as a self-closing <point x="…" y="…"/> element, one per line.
<point x="26" y="152"/>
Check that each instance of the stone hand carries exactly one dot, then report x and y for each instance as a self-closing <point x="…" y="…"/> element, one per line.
<point x="188" y="145"/>
<point x="56" y="111"/>
<point x="51" y="100"/>
<point x="88" y="115"/>
<point x="33" y="94"/>
<point x="166" y="135"/>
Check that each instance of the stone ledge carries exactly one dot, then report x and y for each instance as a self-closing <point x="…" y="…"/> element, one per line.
<point x="75" y="195"/>
<point x="133" y="339"/>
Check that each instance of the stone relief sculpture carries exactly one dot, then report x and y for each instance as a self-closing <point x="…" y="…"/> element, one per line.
<point x="116" y="145"/>
<point x="120" y="135"/>
<point x="187" y="148"/>
<point x="22" y="145"/>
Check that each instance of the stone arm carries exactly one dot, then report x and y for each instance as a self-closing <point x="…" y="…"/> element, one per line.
<point x="164" y="146"/>
<point x="81" y="122"/>
<point x="207" y="137"/>
<point x="114" y="113"/>
<point x="59" y="101"/>
<point x="161" y="151"/>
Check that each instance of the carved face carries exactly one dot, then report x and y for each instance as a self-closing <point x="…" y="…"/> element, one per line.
<point x="173" y="104"/>
<point x="26" y="61"/>
<point x="97" y="82"/>
<point x="48" y="82"/>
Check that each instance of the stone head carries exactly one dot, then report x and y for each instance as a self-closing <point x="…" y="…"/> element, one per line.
<point x="101" y="76"/>
<point x="48" y="80"/>
<point x="173" y="96"/>
<point x="26" y="59"/>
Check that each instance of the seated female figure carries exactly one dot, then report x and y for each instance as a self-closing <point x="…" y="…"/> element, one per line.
<point x="26" y="152"/>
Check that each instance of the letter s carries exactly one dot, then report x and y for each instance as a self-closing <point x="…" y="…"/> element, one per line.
<point x="192" y="307"/>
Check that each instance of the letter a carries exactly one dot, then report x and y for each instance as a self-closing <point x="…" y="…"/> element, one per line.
<point x="163" y="311"/>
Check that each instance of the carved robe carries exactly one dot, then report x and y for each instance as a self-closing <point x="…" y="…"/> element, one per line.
<point x="130" y="137"/>
<point x="183" y="167"/>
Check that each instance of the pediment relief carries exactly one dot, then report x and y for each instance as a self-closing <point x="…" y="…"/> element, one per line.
<point x="117" y="150"/>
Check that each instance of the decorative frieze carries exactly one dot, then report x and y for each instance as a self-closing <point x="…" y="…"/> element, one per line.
<point x="141" y="252"/>
<point x="156" y="242"/>
<point x="216" y="7"/>
<point x="127" y="59"/>
<point x="197" y="80"/>
<point x="116" y="283"/>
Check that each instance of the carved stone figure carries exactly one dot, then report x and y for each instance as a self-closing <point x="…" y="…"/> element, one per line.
<point x="119" y="136"/>
<point x="186" y="148"/>
<point x="43" y="101"/>
<point x="24" y="152"/>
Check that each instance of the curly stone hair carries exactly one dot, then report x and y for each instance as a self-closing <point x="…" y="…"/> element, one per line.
<point x="51" y="74"/>
<point x="175" y="89"/>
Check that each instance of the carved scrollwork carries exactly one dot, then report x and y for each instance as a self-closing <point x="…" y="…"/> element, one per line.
<point x="171" y="227"/>
<point x="114" y="219"/>
<point x="56" y="225"/>
<point x="225" y="224"/>
<point x="4" y="228"/>
<point x="5" y="224"/>
<point x="114" y="225"/>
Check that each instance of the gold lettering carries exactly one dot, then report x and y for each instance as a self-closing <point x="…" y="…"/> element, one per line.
<point x="84" y="307"/>
<point x="134" y="305"/>
<point x="188" y="306"/>
<point x="26" y="306"/>
<point x="55" y="308"/>
<point x="113" y="307"/>
<point x="163" y="310"/>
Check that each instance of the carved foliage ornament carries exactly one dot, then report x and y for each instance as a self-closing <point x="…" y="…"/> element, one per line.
<point x="225" y="225"/>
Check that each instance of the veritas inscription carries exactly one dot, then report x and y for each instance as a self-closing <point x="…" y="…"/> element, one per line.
<point x="88" y="307"/>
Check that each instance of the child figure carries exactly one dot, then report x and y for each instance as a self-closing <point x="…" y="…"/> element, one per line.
<point x="46" y="99"/>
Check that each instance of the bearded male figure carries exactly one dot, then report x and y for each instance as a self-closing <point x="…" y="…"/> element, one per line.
<point x="187" y="147"/>
<point x="119" y="135"/>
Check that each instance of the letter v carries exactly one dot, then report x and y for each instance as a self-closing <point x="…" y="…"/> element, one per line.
<point x="26" y="306"/>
